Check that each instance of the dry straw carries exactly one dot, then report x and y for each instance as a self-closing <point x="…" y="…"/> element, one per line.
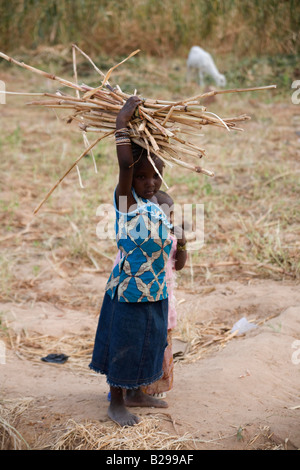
<point x="161" y="127"/>
<point x="201" y="339"/>
<point x="92" y="435"/>
<point x="10" y="411"/>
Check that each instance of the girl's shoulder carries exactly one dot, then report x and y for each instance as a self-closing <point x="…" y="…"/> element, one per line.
<point x="164" y="198"/>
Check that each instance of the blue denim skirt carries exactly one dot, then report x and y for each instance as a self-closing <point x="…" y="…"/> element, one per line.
<point x="130" y="341"/>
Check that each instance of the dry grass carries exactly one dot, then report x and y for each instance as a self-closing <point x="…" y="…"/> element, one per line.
<point x="34" y="346"/>
<point x="201" y="339"/>
<point x="10" y="412"/>
<point x="89" y="435"/>
<point x="150" y="434"/>
<point x="161" y="29"/>
<point x="92" y="435"/>
<point x="204" y="338"/>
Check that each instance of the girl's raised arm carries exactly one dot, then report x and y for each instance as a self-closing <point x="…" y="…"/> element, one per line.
<point x="124" y="151"/>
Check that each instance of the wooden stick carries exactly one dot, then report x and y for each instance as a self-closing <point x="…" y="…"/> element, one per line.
<point x="215" y="92"/>
<point x="75" y="69"/>
<point x="197" y="169"/>
<point x="168" y="116"/>
<point x="152" y="140"/>
<point x="89" y="59"/>
<point x="92" y="92"/>
<point x="40" y="72"/>
<point x="162" y="129"/>
<point x="21" y="93"/>
<point x="71" y="167"/>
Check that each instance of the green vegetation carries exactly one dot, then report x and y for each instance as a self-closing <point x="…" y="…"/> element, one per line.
<point x="158" y="28"/>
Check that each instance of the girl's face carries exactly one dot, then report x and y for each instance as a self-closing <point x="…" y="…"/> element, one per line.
<point x="146" y="181"/>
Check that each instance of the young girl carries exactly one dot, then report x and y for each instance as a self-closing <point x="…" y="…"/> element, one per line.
<point x="175" y="262"/>
<point x="132" y="331"/>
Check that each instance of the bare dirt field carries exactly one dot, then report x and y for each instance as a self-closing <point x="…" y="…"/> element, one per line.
<point x="230" y="391"/>
<point x="244" y="395"/>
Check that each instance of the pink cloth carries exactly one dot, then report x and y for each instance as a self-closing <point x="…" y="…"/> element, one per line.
<point x="171" y="284"/>
<point x="170" y="279"/>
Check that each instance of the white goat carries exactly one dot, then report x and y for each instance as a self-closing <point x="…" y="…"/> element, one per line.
<point x="202" y="61"/>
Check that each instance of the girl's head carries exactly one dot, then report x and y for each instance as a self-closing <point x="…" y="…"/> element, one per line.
<point x="146" y="181"/>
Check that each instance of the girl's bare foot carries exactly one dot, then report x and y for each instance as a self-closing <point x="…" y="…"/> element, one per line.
<point x="117" y="410"/>
<point x="138" y="398"/>
<point x="121" y="416"/>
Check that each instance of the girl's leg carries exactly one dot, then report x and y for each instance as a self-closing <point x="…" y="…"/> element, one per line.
<point x="137" y="397"/>
<point x="117" y="410"/>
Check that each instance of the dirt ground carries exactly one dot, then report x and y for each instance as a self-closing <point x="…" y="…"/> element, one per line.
<point x="242" y="396"/>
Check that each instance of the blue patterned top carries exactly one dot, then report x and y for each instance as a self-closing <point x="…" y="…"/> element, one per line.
<point x="142" y="237"/>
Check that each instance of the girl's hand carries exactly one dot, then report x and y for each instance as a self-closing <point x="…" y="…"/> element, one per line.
<point x="181" y="253"/>
<point x="179" y="234"/>
<point x="126" y="113"/>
